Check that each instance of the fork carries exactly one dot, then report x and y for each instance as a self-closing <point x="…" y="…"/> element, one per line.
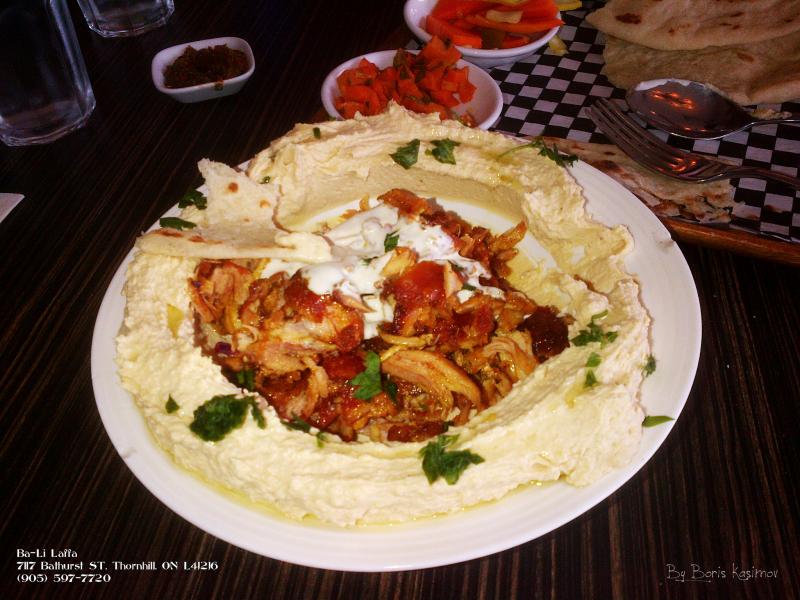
<point x="658" y="156"/>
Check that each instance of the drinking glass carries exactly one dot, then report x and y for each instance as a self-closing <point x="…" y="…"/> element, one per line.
<point x="44" y="89"/>
<point x="120" y="18"/>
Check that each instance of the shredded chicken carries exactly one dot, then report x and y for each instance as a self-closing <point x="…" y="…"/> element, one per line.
<point x="441" y="359"/>
<point x="434" y="373"/>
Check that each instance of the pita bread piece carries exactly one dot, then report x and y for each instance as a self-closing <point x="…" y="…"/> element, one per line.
<point x="763" y="72"/>
<point x="705" y="202"/>
<point x="237" y="222"/>
<point x="235" y="241"/>
<point x="695" y="24"/>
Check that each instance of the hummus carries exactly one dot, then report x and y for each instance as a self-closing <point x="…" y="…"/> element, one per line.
<point x="553" y="424"/>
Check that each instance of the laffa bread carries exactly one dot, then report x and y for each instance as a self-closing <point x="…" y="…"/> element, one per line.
<point x="695" y="24"/>
<point x="236" y="223"/>
<point x="749" y="74"/>
<point x="704" y="202"/>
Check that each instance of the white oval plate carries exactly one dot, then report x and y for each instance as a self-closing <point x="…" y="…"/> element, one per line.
<point x="668" y="292"/>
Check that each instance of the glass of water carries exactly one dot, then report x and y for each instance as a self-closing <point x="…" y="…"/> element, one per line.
<point x="120" y="18"/>
<point x="44" y="89"/>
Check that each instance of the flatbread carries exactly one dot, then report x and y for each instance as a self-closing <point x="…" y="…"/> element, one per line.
<point x="705" y="202"/>
<point x="223" y="241"/>
<point x="237" y="222"/>
<point x="763" y="72"/>
<point x="695" y="24"/>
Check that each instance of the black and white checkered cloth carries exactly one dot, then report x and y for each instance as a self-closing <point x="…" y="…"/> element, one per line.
<point x="548" y="95"/>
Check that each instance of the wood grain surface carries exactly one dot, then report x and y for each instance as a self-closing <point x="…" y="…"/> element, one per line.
<point x="720" y="494"/>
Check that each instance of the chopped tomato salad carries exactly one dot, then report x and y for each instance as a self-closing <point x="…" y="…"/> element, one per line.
<point x="491" y="25"/>
<point x="427" y="82"/>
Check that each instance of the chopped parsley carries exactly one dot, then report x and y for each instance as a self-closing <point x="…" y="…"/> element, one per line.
<point x="193" y="198"/>
<point x="562" y="160"/>
<point x="369" y="380"/>
<point x="650" y="366"/>
<point x="246" y="378"/>
<point x="652" y="421"/>
<point x="590" y="380"/>
<point x="369" y="259"/>
<point x="298" y="424"/>
<point x="317" y="133"/>
<point x="390" y="387"/>
<point x="258" y="416"/>
<point x="593" y="360"/>
<point x="266" y="179"/>
<point x="456" y="267"/>
<point x="176" y="223"/>
<point x="468" y="286"/>
<point x="321" y="439"/>
<point x="171" y="406"/>
<point x="438" y="462"/>
<point x="406" y="156"/>
<point x="594" y="333"/>
<point x="443" y="151"/>
<point x="214" y="419"/>
<point x="390" y="241"/>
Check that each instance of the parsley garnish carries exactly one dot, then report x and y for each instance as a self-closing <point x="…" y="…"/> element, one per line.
<point x="246" y="378"/>
<point x="390" y="387"/>
<point x="650" y="366"/>
<point x="321" y="439"/>
<point x="258" y="416"/>
<point x="317" y="133"/>
<point x="369" y="259"/>
<point x="297" y="423"/>
<point x="593" y="360"/>
<point x="443" y="151"/>
<point x="369" y="380"/>
<point x="594" y="333"/>
<point x="406" y="156"/>
<point x="590" y="379"/>
<point x="193" y="198"/>
<point x="553" y="154"/>
<point x="171" y="406"/>
<point x="456" y="267"/>
<point x="390" y="241"/>
<point x="266" y="179"/>
<point x="214" y="419"/>
<point x="176" y="223"/>
<point x="438" y="462"/>
<point x="469" y="287"/>
<point x="652" y="421"/>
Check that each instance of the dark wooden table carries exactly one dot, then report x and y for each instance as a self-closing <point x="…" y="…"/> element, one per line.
<point x="720" y="495"/>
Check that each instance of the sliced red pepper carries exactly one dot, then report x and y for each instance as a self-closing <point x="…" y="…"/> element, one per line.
<point x="535" y="9"/>
<point x="458" y="36"/>
<point x="521" y="27"/>
<point x="453" y="9"/>
<point x="514" y="41"/>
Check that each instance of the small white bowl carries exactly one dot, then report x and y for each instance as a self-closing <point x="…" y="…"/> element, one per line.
<point x="205" y="91"/>
<point x="415" y="12"/>
<point x="485" y="106"/>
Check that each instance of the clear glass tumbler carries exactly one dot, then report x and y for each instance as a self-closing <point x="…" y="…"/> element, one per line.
<point x="44" y="89"/>
<point x="120" y="18"/>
